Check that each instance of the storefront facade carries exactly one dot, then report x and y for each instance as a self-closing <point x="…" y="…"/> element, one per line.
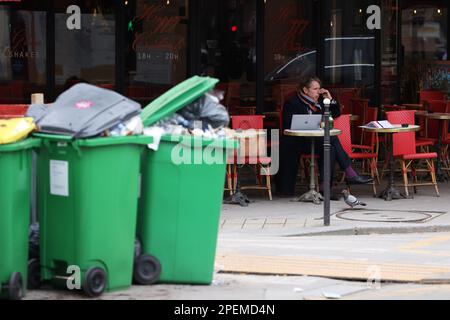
<point x="143" y="47"/>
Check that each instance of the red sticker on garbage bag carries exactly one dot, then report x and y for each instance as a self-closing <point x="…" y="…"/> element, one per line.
<point x="83" y="104"/>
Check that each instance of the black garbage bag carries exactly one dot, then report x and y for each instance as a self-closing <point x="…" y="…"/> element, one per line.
<point x="137" y="248"/>
<point x="208" y="110"/>
<point x="33" y="236"/>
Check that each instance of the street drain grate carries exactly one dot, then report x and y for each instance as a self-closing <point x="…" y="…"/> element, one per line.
<point x="396" y="216"/>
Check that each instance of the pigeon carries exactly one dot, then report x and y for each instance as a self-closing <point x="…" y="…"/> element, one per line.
<point x="351" y="200"/>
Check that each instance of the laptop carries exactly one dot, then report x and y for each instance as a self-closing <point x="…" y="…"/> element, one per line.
<point x="306" y="121"/>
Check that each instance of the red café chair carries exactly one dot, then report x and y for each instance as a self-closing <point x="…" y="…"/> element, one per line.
<point x="446" y="140"/>
<point x="404" y="149"/>
<point x="344" y="96"/>
<point x="422" y="144"/>
<point x="436" y="106"/>
<point x="343" y="123"/>
<point x="426" y="97"/>
<point x="359" y="107"/>
<point x="260" y="160"/>
<point x="429" y="95"/>
<point x="429" y="127"/>
<point x="370" y="140"/>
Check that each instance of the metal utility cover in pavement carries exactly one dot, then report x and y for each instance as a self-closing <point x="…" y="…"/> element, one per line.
<point x="377" y="215"/>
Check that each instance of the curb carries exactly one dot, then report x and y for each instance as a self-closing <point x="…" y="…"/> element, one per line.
<point x="374" y="230"/>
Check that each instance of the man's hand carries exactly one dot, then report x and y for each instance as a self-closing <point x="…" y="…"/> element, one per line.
<point x="325" y="94"/>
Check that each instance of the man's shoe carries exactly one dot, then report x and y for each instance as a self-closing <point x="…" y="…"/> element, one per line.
<point x="359" y="180"/>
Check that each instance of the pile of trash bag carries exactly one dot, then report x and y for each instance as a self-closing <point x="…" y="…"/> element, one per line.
<point x="205" y="117"/>
<point x="33" y="236"/>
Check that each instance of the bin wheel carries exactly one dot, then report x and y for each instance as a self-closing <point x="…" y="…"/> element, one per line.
<point x="147" y="269"/>
<point x="34" y="274"/>
<point x="15" y="287"/>
<point x="94" y="283"/>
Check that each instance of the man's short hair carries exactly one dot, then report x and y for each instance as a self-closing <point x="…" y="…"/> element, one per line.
<point x="306" y="82"/>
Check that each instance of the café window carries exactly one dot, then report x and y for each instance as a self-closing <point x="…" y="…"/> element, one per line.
<point x="291" y="42"/>
<point x="85" y="51"/>
<point x="228" y="50"/>
<point x="155" y="51"/>
<point x="22" y="52"/>
<point x="424" y="43"/>
<point x="349" y="48"/>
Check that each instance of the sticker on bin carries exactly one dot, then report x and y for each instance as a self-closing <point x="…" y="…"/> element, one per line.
<point x="84" y="104"/>
<point x="59" y="178"/>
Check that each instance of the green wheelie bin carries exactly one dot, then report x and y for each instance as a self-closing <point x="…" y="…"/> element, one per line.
<point x="88" y="193"/>
<point x="15" y="195"/>
<point x="182" y="190"/>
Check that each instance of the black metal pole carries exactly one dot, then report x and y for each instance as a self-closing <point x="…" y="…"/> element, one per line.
<point x="327" y="165"/>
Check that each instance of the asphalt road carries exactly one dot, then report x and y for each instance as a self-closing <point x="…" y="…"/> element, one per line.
<point x="426" y="251"/>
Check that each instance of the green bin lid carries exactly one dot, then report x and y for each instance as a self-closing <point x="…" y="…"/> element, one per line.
<point x="176" y="98"/>
<point x="23" y="144"/>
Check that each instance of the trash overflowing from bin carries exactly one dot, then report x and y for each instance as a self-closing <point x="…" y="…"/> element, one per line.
<point x="182" y="182"/>
<point x="107" y="201"/>
<point x="88" y="179"/>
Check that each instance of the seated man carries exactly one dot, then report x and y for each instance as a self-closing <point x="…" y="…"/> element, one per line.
<point x="308" y="100"/>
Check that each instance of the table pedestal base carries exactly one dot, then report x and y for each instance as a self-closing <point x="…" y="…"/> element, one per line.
<point x="391" y="193"/>
<point x="238" y="198"/>
<point x="310" y="196"/>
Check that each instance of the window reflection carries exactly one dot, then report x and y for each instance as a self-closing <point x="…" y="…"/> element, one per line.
<point x="22" y="54"/>
<point x="156" y="43"/>
<point x="87" y="54"/>
<point x="290" y="52"/>
<point x="228" y="50"/>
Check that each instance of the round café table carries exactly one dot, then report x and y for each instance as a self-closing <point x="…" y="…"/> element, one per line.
<point x="312" y="195"/>
<point x="391" y="193"/>
<point x="441" y="117"/>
